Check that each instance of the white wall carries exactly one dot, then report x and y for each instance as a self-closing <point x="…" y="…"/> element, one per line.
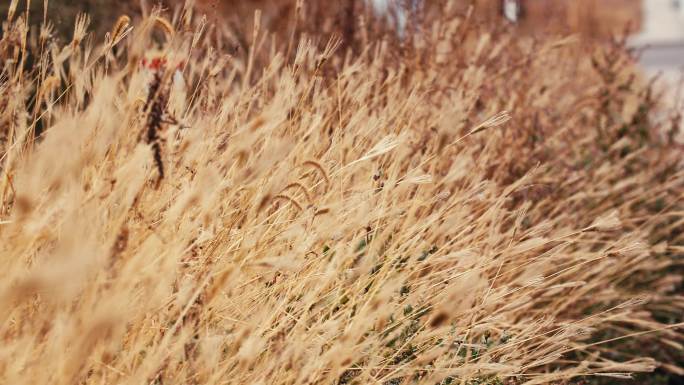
<point x="663" y="21"/>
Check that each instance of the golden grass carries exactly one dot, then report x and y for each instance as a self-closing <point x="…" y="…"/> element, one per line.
<point x="458" y="206"/>
<point x="599" y="19"/>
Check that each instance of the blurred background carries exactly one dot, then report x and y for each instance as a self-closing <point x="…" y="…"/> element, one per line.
<point x="657" y="20"/>
<point x="655" y="27"/>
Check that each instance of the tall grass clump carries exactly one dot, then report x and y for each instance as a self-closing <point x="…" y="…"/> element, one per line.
<point x="447" y="203"/>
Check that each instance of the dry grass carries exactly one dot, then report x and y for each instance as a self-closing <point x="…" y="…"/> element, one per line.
<point x="460" y="206"/>
<point x="594" y="18"/>
<point x="599" y="19"/>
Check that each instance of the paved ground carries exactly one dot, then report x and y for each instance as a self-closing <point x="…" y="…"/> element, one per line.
<point x="666" y="56"/>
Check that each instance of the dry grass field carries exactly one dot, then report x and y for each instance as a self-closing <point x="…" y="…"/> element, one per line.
<point x="599" y="19"/>
<point x="593" y="18"/>
<point x="446" y="204"/>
